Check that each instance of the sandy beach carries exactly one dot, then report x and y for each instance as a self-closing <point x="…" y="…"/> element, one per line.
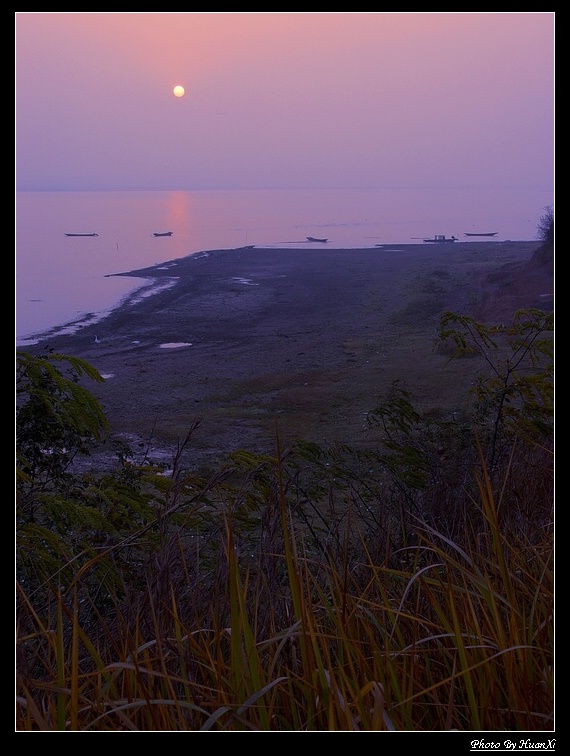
<point x="307" y="341"/>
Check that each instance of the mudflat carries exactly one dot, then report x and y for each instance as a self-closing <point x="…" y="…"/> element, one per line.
<point x="304" y="342"/>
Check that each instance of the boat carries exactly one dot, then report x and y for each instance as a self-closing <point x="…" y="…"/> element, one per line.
<point x="165" y="233"/>
<point x="440" y="238"/>
<point x="82" y="234"/>
<point x="314" y="239"/>
<point x="489" y="233"/>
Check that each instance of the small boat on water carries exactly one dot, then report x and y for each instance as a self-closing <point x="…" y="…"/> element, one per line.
<point x="82" y="234"/>
<point x="440" y="238"/>
<point x="488" y="233"/>
<point x="314" y="239"/>
<point x="165" y="233"/>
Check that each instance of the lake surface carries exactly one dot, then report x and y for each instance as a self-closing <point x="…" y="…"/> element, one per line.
<point x="61" y="280"/>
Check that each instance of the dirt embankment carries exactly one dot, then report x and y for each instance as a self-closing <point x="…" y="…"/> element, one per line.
<point x="516" y="286"/>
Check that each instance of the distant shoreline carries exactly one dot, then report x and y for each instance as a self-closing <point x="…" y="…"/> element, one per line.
<point x="158" y="278"/>
<point x="61" y="278"/>
<point x="310" y="339"/>
<point x="157" y="272"/>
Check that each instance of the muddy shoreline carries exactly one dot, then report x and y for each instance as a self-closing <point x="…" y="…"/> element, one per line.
<point x="244" y="342"/>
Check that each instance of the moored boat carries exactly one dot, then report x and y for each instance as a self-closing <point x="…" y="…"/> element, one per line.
<point x="440" y="238"/>
<point x="487" y="233"/>
<point x="314" y="239"/>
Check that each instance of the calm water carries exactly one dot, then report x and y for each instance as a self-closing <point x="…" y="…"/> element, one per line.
<point x="60" y="279"/>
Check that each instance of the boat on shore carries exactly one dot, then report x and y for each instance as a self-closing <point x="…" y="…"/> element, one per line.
<point x="488" y="233"/>
<point x="314" y="239"/>
<point x="82" y="234"/>
<point x="164" y="233"/>
<point x="441" y="238"/>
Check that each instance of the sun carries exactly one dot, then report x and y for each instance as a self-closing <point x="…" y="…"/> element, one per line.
<point x="178" y="91"/>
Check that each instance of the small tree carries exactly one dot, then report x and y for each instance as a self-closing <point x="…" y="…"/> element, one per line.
<point x="66" y="517"/>
<point x="56" y="417"/>
<point x="515" y="394"/>
<point x="546" y="226"/>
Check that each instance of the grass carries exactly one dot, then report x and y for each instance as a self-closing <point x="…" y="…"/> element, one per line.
<point x="275" y="602"/>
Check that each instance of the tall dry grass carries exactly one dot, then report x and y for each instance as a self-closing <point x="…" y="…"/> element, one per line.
<point x="269" y="633"/>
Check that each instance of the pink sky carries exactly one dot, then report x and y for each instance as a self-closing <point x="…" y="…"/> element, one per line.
<point x="296" y="100"/>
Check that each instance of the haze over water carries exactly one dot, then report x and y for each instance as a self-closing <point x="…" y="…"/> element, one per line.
<point x="60" y="279"/>
<point x="363" y="128"/>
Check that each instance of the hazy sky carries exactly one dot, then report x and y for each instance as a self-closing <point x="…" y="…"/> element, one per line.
<point x="339" y="100"/>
